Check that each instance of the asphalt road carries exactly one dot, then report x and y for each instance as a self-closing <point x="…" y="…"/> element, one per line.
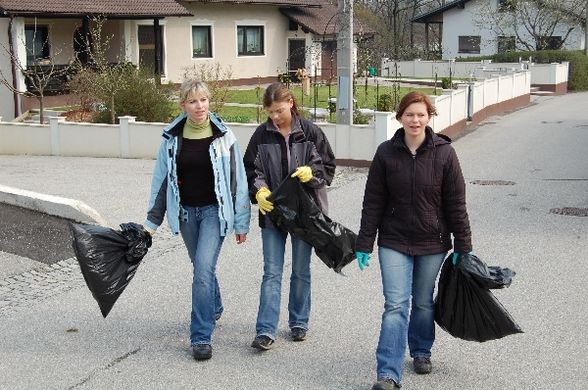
<point x="60" y="341"/>
<point x="34" y="235"/>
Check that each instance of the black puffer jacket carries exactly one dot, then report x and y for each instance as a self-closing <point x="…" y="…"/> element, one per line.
<point x="267" y="161"/>
<point x="414" y="203"/>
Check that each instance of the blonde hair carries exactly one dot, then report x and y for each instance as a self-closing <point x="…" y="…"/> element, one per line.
<point x="193" y="87"/>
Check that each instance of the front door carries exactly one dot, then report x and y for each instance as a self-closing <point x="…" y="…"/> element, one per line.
<point x="296" y="55"/>
<point x="147" y="48"/>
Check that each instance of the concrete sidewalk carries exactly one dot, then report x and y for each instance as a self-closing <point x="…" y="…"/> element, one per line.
<point x="53" y="336"/>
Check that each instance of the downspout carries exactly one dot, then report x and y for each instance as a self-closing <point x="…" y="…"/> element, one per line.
<point x="15" y="94"/>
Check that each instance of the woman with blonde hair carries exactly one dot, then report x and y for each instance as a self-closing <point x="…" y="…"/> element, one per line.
<point x="199" y="181"/>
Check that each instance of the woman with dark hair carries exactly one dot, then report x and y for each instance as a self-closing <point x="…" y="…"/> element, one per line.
<point x="414" y="200"/>
<point x="286" y="144"/>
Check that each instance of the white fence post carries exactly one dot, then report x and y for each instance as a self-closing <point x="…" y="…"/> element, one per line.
<point x="383" y="127"/>
<point x="123" y="122"/>
<point x="54" y="122"/>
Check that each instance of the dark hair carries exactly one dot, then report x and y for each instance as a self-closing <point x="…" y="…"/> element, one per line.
<point x="278" y="92"/>
<point x="415" y="97"/>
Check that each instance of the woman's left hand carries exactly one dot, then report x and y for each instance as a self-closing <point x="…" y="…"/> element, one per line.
<point x="240" y="238"/>
<point x="303" y="173"/>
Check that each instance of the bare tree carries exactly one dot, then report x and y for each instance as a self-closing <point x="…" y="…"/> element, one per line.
<point x="38" y="74"/>
<point x="109" y="77"/>
<point x="532" y="22"/>
<point x="396" y="36"/>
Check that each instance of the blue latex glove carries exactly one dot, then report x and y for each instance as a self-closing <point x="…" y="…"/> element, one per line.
<point x="455" y="256"/>
<point x="363" y="259"/>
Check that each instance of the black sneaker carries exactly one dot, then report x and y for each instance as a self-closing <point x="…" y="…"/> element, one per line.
<point x="385" y="384"/>
<point x="422" y="365"/>
<point x="202" y="351"/>
<point x="262" y="342"/>
<point x="298" y="334"/>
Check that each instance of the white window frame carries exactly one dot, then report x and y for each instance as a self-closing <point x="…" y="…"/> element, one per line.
<point x="202" y="23"/>
<point x="251" y="23"/>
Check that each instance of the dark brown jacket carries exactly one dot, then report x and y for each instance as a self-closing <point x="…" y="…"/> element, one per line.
<point x="414" y="203"/>
<point x="268" y="160"/>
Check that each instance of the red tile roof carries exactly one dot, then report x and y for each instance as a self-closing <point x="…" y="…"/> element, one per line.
<point x="321" y="20"/>
<point x="130" y="9"/>
<point x="292" y="3"/>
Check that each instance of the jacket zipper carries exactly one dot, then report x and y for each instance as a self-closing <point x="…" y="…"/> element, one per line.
<point x="412" y="195"/>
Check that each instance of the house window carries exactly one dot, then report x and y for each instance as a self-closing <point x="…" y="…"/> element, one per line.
<point x="201" y="42"/>
<point x="250" y="40"/>
<point x="37" y="43"/>
<point x="469" y="44"/>
<point x="506" y="5"/>
<point x="506" y="43"/>
<point x="549" y="43"/>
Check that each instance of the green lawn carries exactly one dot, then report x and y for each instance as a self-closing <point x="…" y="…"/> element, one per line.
<point x="365" y="97"/>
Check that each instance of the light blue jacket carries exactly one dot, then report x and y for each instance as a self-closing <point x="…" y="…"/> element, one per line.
<point x="229" y="177"/>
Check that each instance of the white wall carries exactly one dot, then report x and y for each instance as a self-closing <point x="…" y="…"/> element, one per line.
<point x="224" y="20"/>
<point x="459" y="22"/>
<point x="478" y="70"/>
<point x="132" y="139"/>
<point x="466" y="21"/>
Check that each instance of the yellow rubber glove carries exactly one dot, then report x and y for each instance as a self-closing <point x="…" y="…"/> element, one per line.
<point x="265" y="206"/>
<point x="303" y="174"/>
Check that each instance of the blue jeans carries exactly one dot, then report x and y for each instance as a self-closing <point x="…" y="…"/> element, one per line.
<point x="274" y="245"/>
<point x="201" y="233"/>
<point x="403" y="276"/>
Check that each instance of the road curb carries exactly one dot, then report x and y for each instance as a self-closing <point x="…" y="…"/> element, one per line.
<point x="72" y="209"/>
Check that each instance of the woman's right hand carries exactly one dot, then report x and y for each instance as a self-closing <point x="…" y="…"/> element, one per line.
<point x="265" y="206"/>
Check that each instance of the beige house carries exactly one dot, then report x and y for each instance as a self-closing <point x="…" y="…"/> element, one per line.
<point x="256" y="39"/>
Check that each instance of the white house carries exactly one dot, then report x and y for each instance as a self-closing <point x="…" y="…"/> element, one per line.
<point x="256" y="39"/>
<point x="468" y="28"/>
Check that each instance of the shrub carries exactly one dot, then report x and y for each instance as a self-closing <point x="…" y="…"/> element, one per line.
<point x="360" y="119"/>
<point x="385" y="103"/>
<point x="82" y="85"/>
<point x="142" y="98"/>
<point x="446" y="83"/>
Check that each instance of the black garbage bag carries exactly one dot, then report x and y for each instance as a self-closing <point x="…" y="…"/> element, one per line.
<point x="109" y="258"/>
<point x="491" y="277"/>
<point x="464" y="305"/>
<point x="296" y="212"/>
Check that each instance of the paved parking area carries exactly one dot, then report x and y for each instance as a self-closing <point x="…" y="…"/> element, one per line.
<point x="57" y="339"/>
